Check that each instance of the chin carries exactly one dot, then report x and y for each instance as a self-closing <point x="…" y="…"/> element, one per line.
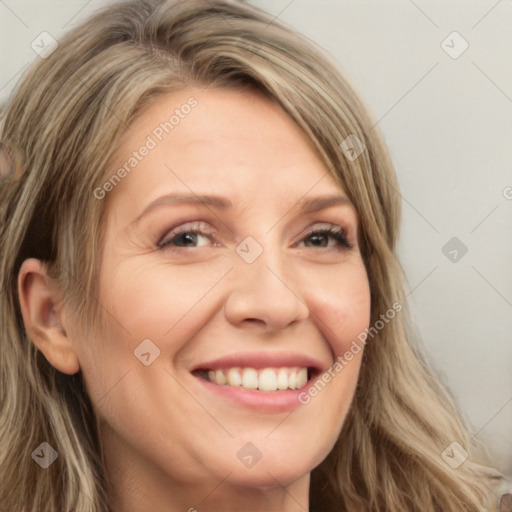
<point x="271" y="475"/>
<point x="281" y="461"/>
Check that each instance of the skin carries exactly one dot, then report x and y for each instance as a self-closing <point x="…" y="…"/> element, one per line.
<point x="168" y="443"/>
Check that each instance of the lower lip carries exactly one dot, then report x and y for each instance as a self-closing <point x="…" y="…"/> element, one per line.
<point x="264" y="401"/>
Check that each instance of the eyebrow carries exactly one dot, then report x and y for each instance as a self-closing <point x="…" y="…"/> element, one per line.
<point x="221" y="203"/>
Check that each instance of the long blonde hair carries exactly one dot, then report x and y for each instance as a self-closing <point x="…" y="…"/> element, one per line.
<point x="61" y="127"/>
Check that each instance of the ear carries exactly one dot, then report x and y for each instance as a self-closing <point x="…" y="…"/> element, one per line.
<point x="43" y="316"/>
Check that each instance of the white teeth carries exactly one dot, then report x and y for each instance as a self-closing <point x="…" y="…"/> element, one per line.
<point x="266" y="379"/>
<point x="282" y="379"/>
<point x="234" y="378"/>
<point x="250" y="378"/>
<point x="302" y="379"/>
<point x="292" y="380"/>
<point x="220" y="378"/>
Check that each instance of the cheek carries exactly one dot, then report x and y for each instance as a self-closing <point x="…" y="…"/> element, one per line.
<point x="160" y="300"/>
<point x="157" y="302"/>
<point x="341" y="303"/>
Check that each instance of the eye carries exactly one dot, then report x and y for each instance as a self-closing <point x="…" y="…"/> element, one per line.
<point x="189" y="235"/>
<point x="328" y="237"/>
<point x="198" y="234"/>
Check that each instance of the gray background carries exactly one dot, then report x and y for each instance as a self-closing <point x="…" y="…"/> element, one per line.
<point x="448" y="124"/>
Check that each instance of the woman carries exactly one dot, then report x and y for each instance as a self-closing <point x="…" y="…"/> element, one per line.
<point x="202" y="305"/>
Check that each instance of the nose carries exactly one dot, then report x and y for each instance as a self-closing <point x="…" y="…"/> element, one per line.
<point x="263" y="294"/>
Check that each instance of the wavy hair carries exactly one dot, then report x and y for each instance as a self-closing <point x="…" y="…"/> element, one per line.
<point x="60" y="128"/>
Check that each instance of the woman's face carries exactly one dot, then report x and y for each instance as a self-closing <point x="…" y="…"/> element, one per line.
<point x="210" y="274"/>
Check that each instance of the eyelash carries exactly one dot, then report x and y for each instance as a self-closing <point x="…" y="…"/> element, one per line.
<point x="335" y="232"/>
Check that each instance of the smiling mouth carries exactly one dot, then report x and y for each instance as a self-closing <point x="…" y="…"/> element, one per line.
<point x="264" y="379"/>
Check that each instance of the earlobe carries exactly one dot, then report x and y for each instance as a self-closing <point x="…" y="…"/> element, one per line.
<point x="43" y="318"/>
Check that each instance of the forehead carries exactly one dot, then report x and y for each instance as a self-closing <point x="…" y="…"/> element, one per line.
<point x="216" y="140"/>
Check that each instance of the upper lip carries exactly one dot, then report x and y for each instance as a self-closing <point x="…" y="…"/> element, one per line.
<point x="260" y="360"/>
